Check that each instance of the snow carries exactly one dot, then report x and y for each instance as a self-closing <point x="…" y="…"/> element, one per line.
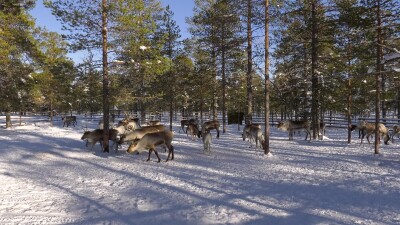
<point x="47" y="176"/>
<point x="391" y="56"/>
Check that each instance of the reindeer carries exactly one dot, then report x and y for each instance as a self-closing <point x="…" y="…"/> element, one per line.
<point x="356" y="127"/>
<point x="256" y="135"/>
<point x="139" y="133"/>
<point x="193" y="131"/>
<point x="186" y="122"/>
<point x="207" y="139"/>
<point x="291" y="125"/>
<point x="153" y="123"/>
<point x="396" y="131"/>
<point x="129" y="124"/>
<point x="95" y="136"/>
<point x="210" y="125"/>
<point x="369" y="129"/>
<point x="67" y="120"/>
<point x="246" y="130"/>
<point x="150" y="141"/>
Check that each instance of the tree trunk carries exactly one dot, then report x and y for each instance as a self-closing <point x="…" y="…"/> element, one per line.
<point x="249" y="77"/>
<point x="314" y="80"/>
<point x="171" y="97"/>
<point x="349" y="105"/>
<point x="51" y="112"/>
<point x="223" y="90"/>
<point x="8" y="119"/>
<point x="171" y="113"/>
<point x="106" y="109"/>
<point x="267" y="128"/>
<point x="378" y="75"/>
<point x="214" y="100"/>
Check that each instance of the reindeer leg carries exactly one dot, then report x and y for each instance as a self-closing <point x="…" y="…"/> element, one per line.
<point x="150" y="150"/>
<point x="169" y="153"/>
<point x="256" y="143"/>
<point x="362" y="138"/>
<point x="101" y="144"/>
<point x="92" y="146"/>
<point x="217" y="133"/>
<point x="170" y="150"/>
<point x="308" y="134"/>
<point x="155" y="151"/>
<point x="386" y="139"/>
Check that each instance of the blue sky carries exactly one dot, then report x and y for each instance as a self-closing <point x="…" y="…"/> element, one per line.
<point x="181" y="9"/>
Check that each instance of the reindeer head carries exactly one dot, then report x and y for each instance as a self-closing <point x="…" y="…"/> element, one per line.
<point x="133" y="148"/>
<point x="85" y="135"/>
<point x="283" y="125"/>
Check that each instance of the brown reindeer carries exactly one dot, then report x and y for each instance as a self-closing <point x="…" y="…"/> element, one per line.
<point x="139" y="133"/>
<point x="247" y="128"/>
<point x="396" y="131"/>
<point x="369" y="129"/>
<point x="187" y="122"/>
<point x="151" y="140"/>
<point x="95" y="136"/>
<point x="193" y="131"/>
<point x="210" y="125"/>
<point x="68" y="120"/>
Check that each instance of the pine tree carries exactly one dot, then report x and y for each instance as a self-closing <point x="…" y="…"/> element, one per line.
<point x="170" y="31"/>
<point x="17" y="46"/>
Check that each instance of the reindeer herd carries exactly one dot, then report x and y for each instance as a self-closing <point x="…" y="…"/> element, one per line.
<point x="365" y="129"/>
<point x="148" y="136"/>
<point x="152" y="134"/>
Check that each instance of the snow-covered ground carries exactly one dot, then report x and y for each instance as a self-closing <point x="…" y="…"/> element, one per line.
<point x="47" y="176"/>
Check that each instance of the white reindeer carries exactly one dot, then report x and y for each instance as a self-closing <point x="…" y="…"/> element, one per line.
<point x="291" y="125"/>
<point x="150" y="141"/>
<point x="129" y="124"/>
<point x="257" y="137"/>
<point x="207" y="139"/>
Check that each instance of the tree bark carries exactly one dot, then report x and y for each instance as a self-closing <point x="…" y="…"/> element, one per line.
<point x="106" y="109"/>
<point x="378" y="75"/>
<point x="223" y="89"/>
<point x="314" y="79"/>
<point x="349" y="105"/>
<point x="249" y="77"/>
<point x="267" y="110"/>
<point x="8" y="119"/>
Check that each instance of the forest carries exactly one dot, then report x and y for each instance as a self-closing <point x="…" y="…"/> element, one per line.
<point x="291" y="59"/>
